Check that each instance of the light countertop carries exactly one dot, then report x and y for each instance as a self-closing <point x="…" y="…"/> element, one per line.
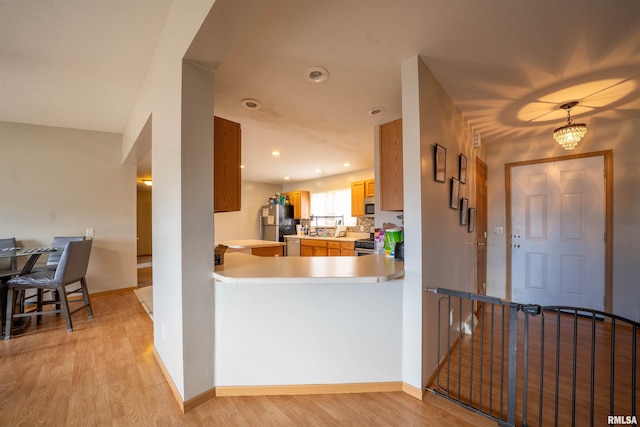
<point x="250" y="243"/>
<point x="242" y="268"/>
<point x="347" y="238"/>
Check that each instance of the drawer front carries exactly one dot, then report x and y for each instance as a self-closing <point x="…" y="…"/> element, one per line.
<point x="348" y="246"/>
<point x="331" y="244"/>
<point x="314" y="243"/>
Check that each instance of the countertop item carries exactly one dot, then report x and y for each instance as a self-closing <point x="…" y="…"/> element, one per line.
<point x="250" y="243"/>
<point x="241" y="268"/>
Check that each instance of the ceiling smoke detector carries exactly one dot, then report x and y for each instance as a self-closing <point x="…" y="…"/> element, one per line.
<point x="316" y="74"/>
<point x="251" y="104"/>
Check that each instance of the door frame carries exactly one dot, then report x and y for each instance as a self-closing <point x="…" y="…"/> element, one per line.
<point x="608" y="186"/>
<point x="482" y="223"/>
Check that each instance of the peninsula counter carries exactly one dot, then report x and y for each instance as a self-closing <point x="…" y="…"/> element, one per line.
<point x="241" y="268"/>
<point x="293" y="325"/>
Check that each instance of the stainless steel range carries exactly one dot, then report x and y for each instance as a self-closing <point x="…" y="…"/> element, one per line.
<point x="363" y="247"/>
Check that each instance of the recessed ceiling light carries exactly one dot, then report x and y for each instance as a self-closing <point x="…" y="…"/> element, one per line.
<point x="316" y="74"/>
<point x="318" y="170"/>
<point x="241" y="166"/>
<point x="250" y="104"/>
<point x="376" y="111"/>
<point x="286" y="178"/>
<point x="346" y="164"/>
<point x="275" y="153"/>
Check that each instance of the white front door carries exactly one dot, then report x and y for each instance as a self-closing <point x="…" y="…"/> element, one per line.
<point x="558" y="233"/>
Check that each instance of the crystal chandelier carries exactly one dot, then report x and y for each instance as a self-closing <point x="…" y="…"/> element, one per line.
<point x="570" y="134"/>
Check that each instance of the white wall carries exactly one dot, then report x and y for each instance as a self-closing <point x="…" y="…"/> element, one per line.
<point x="244" y="224"/>
<point x="178" y="278"/>
<point x="622" y="138"/>
<point x="330" y="183"/>
<point x="58" y="182"/>
<point x="438" y="251"/>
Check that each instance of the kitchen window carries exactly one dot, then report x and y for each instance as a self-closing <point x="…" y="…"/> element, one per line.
<point x="333" y="203"/>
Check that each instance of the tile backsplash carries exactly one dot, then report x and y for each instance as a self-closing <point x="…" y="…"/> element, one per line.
<point x="362" y="224"/>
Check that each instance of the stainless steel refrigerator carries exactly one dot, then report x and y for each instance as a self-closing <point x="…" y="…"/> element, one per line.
<point x="276" y="221"/>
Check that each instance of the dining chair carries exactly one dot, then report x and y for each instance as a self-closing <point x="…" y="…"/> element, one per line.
<point x="72" y="269"/>
<point x="8" y="263"/>
<point x="53" y="259"/>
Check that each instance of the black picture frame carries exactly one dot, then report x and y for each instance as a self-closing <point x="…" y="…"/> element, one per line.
<point x="439" y="163"/>
<point x="472" y="220"/>
<point x="462" y="169"/>
<point x="464" y="211"/>
<point x="455" y="193"/>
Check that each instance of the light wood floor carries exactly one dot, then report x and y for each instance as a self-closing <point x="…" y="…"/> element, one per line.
<point x="145" y="274"/>
<point x="104" y="373"/>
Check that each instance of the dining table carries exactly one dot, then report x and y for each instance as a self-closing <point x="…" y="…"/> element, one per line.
<point x="32" y="255"/>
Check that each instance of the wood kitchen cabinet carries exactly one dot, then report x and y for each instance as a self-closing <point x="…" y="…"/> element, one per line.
<point x="357" y="198"/>
<point x="369" y="188"/>
<point x="300" y="201"/>
<point x="333" y="248"/>
<point x="391" y="172"/>
<point x="359" y="191"/>
<point x="310" y="247"/>
<point x="346" y="249"/>
<point x="226" y="165"/>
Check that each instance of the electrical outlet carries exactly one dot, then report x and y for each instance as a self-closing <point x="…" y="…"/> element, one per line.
<point x="90" y="233"/>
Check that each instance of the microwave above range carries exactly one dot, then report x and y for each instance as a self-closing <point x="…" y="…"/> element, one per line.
<point x="369" y="206"/>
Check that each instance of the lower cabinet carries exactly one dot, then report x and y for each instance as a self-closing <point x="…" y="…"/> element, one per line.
<point x="311" y="247"/>
<point x="346" y="249"/>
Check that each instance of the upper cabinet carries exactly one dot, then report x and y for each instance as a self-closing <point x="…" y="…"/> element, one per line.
<point x="359" y="191"/>
<point x="300" y="201"/>
<point x="391" y="173"/>
<point x="369" y="188"/>
<point x="357" y="198"/>
<point x="226" y="165"/>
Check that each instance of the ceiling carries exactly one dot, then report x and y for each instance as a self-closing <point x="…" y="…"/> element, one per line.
<point x="507" y="66"/>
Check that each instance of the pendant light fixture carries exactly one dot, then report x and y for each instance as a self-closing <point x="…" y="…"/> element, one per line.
<point x="570" y="134"/>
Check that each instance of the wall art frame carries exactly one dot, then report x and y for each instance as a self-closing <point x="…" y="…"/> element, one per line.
<point x="439" y="163"/>
<point x="462" y="169"/>
<point x="455" y="193"/>
<point x="464" y="211"/>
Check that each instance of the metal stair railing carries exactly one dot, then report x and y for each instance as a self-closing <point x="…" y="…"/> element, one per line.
<point x="525" y="364"/>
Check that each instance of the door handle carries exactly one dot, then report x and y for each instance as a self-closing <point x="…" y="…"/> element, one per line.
<point x="480" y="244"/>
